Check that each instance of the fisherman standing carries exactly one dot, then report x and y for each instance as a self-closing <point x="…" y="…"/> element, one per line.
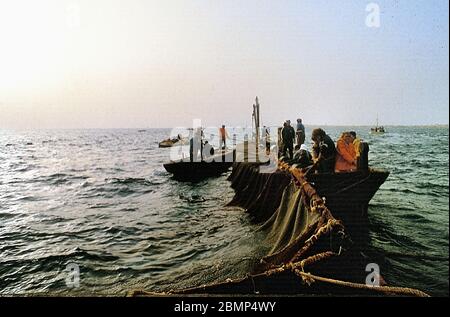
<point x="300" y="132"/>
<point x="196" y="145"/>
<point x="267" y="139"/>
<point x="288" y="136"/>
<point x="223" y="137"/>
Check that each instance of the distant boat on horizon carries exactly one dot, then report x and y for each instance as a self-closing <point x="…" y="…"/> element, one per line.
<point x="377" y="129"/>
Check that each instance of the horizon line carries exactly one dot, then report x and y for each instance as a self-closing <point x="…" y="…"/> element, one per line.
<point x="155" y="128"/>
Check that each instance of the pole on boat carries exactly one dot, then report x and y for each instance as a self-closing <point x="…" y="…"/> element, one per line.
<point x="245" y="147"/>
<point x="234" y="147"/>
<point x="257" y="125"/>
<point x="257" y="119"/>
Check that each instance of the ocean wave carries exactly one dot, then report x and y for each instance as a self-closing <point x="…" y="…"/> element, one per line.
<point x="48" y="141"/>
<point x="193" y="199"/>
<point x="47" y="261"/>
<point x="125" y="271"/>
<point x="59" y="179"/>
<point x="100" y="206"/>
<point x="410" y="216"/>
<point x="185" y="255"/>
<point x="28" y="198"/>
<point x="108" y="192"/>
<point x="130" y="181"/>
<point x="129" y="209"/>
<point x="432" y="186"/>
<point x="121" y="187"/>
<point x="7" y="215"/>
<point x="416" y="191"/>
<point x="376" y="205"/>
<point x="398" y="239"/>
<point x="127" y="231"/>
<point x="21" y="167"/>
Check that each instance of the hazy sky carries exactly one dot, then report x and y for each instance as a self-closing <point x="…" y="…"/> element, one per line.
<point x="114" y="64"/>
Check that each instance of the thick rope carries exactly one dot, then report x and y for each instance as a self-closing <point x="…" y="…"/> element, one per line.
<point x="313" y="259"/>
<point x="315" y="237"/>
<point x="352" y="185"/>
<point x="386" y="290"/>
<point x="291" y="265"/>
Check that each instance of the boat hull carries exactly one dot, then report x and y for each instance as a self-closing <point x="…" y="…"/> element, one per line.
<point x="348" y="191"/>
<point x="348" y="195"/>
<point x="194" y="171"/>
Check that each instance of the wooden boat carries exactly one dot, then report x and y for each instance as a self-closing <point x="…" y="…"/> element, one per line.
<point x="309" y="222"/>
<point x="185" y="170"/>
<point x="350" y="190"/>
<point x="348" y="195"/>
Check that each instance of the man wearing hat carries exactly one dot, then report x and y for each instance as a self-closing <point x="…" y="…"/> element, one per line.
<point x="288" y="135"/>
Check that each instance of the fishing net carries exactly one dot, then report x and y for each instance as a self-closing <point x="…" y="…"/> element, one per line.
<point x="301" y="237"/>
<point x="295" y="222"/>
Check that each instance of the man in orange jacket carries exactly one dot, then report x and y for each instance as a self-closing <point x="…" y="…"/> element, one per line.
<point x="223" y="134"/>
<point x="346" y="154"/>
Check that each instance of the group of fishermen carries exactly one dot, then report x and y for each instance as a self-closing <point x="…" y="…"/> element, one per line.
<point x="349" y="153"/>
<point x="204" y="148"/>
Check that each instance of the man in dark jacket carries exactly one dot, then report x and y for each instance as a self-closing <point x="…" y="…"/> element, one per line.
<point x="288" y="135"/>
<point x="324" y="151"/>
<point x="300" y="132"/>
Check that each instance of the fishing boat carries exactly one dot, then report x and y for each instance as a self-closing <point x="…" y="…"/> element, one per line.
<point x="185" y="170"/>
<point x="377" y="129"/>
<point x="309" y="225"/>
<point x="348" y="195"/>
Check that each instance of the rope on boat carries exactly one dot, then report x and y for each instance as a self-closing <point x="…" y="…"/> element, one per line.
<point x="301" y="264"/>
<point x="308" y="278"/>
<point x="320" y="232"/>
<point x="313" y="259"/>
<point x="352" y="185"/>
<point x="386" y="290"/>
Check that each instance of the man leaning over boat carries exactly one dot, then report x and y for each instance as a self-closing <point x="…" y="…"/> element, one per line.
<point x="323" y="152"/>
<point x="348" y="155"/>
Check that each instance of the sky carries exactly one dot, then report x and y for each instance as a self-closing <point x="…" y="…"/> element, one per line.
<point x="154" y="64"/>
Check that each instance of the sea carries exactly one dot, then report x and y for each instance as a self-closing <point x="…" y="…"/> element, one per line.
<point x="93" y="212"/>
